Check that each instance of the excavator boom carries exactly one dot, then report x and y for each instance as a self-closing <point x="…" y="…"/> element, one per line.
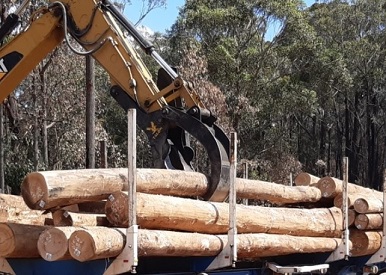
<point x="167" y="111"/>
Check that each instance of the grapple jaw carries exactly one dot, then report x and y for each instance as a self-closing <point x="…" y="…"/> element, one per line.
<point x="168" y="132"/>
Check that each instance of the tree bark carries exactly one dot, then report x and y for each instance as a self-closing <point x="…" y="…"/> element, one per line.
<point x="53" y="243"/>
<point x="67" y="218"/>
<point x="45" y="190"/>
<point x="90" y="244"/>
<point x="365" y="242"/>
<point x="306" y="179"/>
<point x="2" y="138"/>
<point x="369" y="221"/>
<point x="172" y="213"/>
<point x="16" y="243"/>
<point x="90" y="112"/>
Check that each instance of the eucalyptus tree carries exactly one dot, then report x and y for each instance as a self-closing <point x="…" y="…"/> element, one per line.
<point x="345" y="70"/>
<point x="244" y="65"/>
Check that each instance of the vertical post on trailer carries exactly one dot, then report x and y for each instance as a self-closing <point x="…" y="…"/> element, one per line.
<point x="343" y="250"/>
<point x="245" y="176"/>
<point x="127" y="261"/>
<point x="228" y="256"/>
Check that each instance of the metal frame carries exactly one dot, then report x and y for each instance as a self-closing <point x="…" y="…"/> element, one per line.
<point x="228" y="256"/>
<point x="5" y="268"/>
<point x="343" y="250"/>
<point x="322" y="268"/>
<point x="127" y="261"/>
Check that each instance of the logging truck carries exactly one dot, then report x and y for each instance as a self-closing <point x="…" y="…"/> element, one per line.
<point x="212" y="239"/>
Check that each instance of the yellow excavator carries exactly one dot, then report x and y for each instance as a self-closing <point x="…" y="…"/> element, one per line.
<point x="168" y="110"/>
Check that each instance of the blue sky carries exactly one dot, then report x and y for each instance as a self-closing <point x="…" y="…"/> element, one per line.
<point x="161" y="19"/>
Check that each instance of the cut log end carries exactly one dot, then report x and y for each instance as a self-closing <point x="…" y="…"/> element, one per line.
<point x="305" y="179"/>
<point x="7" y="239"/>
<point x="116" y="209"/>
<point x="328" y="187"/>
<point x="81" y="246"/>
<point x="53" y="243"/>
<point x="365" y="242"/>
<point x="34" y="190"/>
<point x="361" y="206"/>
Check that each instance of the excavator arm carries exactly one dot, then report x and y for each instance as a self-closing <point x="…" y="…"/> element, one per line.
<point x="168" y="111"/>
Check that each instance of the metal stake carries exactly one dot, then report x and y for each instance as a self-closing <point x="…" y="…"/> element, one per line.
<point x="127" y="261"/>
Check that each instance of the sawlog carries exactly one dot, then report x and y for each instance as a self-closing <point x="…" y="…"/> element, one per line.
<point x="365" y="242"/>
<point x="90" y="244"/>
<point x="172" y="213"/>
<point x="67" y="218"/>
<point x="276" y="193"/>
<point x="369" y="221"/>
<point x="53" y="243"/>
<point x="364" y="205"/>
<point x="95" y="243"/>
<point x="331" y="187"/>
<point x="306" y="179"/>
<point x="19" y="240"/>
<point x="33" y="217"/>
<point x="14" y="210"/>
<point x="49" y="189"/>
<point x="12" y="201"/>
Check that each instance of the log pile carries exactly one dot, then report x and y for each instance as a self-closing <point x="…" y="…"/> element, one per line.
<point x="82" y="215"/>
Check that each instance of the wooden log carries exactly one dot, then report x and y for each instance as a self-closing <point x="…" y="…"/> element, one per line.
<point x="365" y="242"/>
<point x="19" y="240"/>
<point x="95" y="243"/>
<point x="12" y="201"/>
<point x="172" y="213"/>
<point x="67" y="218"/>
<point x="331" y="187"/>
<point x="276" y="193"/>
<point x="369" y="221"/>
<point x="14" y="210"/>
<point x="49" y="189"/>
<point x="306" y="179"/>
<point x="53" y="243"/>
<point x="364" y="205"/>
<point x="87" y="244"/>
<point x="32" y="217"/>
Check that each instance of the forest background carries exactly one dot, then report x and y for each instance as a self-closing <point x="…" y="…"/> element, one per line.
<point x="302" y="101"/>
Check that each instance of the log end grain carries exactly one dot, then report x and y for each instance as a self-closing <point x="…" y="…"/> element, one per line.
<point x="34" y="190"/>
<point x="361" y="205"/>
<point x="365" y="242"/>
<point x="116" y="209"/>
<point x="361" y="222"/>
<point x="7" y="240"/>
<point x="53" y="244"/>
<point x="81" y="246"/>
<point x="328" y="187"/>
<point x="62" y="218"/>
<point x="306" y="179"/>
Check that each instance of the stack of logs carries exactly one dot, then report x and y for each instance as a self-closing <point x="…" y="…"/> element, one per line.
<point x="82" y="214"/>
